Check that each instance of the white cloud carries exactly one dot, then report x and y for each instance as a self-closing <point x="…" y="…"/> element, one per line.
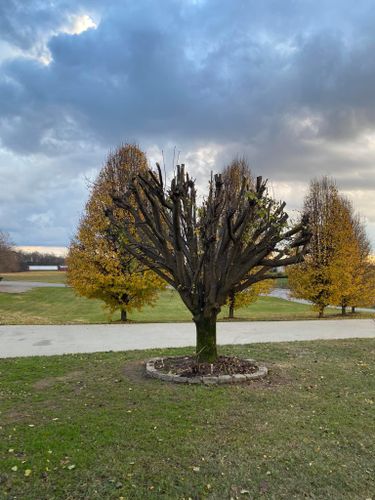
<point x="78" y="23"/>
<point x="215" y="78"/>
<point x="58" y="251"/>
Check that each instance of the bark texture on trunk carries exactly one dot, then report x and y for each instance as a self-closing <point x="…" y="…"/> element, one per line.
<point x="123" y="315"/>
<point x="321" y="311"/>
<point x="206" y="349"/>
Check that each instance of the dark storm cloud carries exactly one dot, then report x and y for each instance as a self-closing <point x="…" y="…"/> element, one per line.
<point x="290" y="84"/>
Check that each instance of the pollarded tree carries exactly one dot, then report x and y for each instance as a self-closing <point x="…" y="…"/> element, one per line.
<point x="97" y="267"/>
<point x="205" y="250"/>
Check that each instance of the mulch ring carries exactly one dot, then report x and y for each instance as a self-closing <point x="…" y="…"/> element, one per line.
<point x="188" y="366"/>
<point x="186" y="369"/>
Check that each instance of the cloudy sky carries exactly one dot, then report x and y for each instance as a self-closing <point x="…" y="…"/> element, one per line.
<point x="288" y="83"/>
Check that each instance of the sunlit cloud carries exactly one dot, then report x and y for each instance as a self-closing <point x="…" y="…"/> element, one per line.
<point x="202" y="80"/>
<point x="79" y="23"/>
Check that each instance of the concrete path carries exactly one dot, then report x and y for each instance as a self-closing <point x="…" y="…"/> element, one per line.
<point x="23" y="286"/>
<point x="284" y="293"/>
<point x="61" y="339"/>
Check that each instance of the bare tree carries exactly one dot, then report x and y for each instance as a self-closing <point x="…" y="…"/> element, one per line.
<point x="9" y="261"/>
<point x="205" y="250"/>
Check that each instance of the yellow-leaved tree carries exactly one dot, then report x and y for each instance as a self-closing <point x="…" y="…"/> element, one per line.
<point x="235" y="177"/>
<point x="247" y="296"/>
<point x="345" y="262"/>
<point x="314" y="279"/>
<point x="335" y="271"/>
<point x="360" y="291"/>
<point x="365" y="296"/>
<point x="97" y="265"/>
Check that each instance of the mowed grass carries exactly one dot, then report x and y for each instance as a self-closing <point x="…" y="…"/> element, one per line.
<point x="61" y="305"/>
<point x="93" y="427"/>
<point x="42" y="276"/>
<point x="60" y="277"/>
<point x="282" y="283"/>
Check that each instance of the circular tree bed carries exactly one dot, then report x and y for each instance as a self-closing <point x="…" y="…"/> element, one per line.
<point x="186" y="370"/>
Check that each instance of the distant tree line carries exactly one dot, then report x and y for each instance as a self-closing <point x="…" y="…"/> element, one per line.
<point x="9" y="260"/>
<point x="12" y="260"/>
<point x="39" y="259"/>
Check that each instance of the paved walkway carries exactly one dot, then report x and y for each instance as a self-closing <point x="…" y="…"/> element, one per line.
<point x="284" y="293"/>
<point x="23" y="286"/>
<point x="30" y="340"/>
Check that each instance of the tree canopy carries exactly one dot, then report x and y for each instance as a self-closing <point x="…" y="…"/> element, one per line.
<point x="204" y="250"/>
<point x="99" y="267"/>
<point x="336" y="270"/>
<point x="233" y="176"/>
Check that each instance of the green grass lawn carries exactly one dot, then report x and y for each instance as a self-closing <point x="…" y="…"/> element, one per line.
<point x="60" y="277"/>
<point x="61" y="305"/>
<point x="43" y="276"/>
<point x="92" y="427"/>
<point x="282" y="283"/>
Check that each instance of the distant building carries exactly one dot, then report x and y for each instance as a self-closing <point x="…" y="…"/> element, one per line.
<point x="43" y="268"/>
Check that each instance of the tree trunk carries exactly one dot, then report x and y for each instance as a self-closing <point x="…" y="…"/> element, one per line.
<point x="231" y="305"/>
<point x="123" y="315"/>
<point x="206" y="338"/>
<point x="321" y="311"/>
<point x="353" y="309"/>
<point x="343" y="309"/>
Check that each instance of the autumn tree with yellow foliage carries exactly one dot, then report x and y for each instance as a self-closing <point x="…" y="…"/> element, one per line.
<point x="233" y="176"/>
<point x="247" y="296"/>
<point x="366" y="295"/>
<point x="335" y="270"/>
<point x="361" y="290"/>
<point x="97" y="267"/>
<point x="346" y="265"/>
